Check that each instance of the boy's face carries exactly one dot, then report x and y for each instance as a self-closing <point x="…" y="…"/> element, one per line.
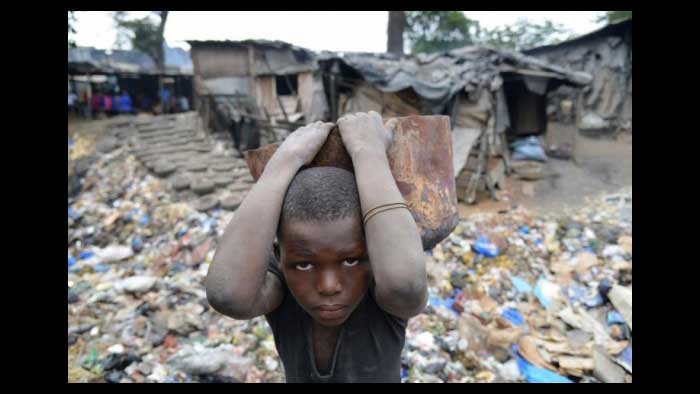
<point x="326" y="268"/>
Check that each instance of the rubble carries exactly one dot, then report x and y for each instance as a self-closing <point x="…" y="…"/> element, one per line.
<point x="514" y="297"/>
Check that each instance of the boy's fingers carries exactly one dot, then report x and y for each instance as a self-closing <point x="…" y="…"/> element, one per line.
<point x="391" y="124"/>
<point x="326" y="127"/>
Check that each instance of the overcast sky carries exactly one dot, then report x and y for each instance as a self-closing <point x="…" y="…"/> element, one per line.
<point x="315" y="30"/>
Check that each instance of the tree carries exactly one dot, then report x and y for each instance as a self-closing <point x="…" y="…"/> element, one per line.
<point x="614" y="16"/>
<point x="431" y="31"/>
<point x="145" y="35"/>
<point x="524" y="34"/>
<point x="395" y="29"/>
<point x="71" y="28"/>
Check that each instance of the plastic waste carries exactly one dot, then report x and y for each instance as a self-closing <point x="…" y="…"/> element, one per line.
<point x="513" y="316"/>
<point x="614" y="317"/>
<point x="436" y="301"/>
<point x="625" y="358"/>
<point x="535" y="374"/>
<point x="528" y="149"/>
<point x="520" y="285"/>
<point x="71" y="260"/>
<point x="484" y="247"/>
<point x="546" y="291"/>
<point x="137" y="244"/>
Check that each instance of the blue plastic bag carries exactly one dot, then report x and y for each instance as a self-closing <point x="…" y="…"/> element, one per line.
<point x="85" y="255"/>
<point x="625" y="358"/>
<point x="614" y="317"/>
<point x="524" y="230"/>
<point x="71" y="260"/>
<point x="535" y="374"/>
<point x="513" y="315"/>
<point x="436" y="302"/>
<point x="144" y="219"/>
<point x="528" y="149"/>
<point x="594" y="301"/>
<point x="484" y="247"/>
<point x="520" y="285"/>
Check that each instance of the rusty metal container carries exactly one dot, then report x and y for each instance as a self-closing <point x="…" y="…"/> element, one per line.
<point x="420" y="159"/>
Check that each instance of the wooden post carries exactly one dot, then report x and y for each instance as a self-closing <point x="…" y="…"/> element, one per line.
<point x="334" y="99"/>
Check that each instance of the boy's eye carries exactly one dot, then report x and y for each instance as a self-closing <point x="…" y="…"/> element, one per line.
<point x="303" y="266"/>
<point x="350" y="263"/>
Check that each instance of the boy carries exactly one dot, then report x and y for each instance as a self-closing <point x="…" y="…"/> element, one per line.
<point x="342" y="292"/>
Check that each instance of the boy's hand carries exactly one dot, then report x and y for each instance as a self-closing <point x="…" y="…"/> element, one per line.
<point x="305" y="142"/>
<point x="363" y="132"/>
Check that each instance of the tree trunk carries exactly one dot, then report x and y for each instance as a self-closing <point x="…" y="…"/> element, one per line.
<point x="161" y="54"/>
<point x="397" y="22"/>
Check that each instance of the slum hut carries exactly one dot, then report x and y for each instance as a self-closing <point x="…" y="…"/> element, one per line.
<point x="606" y="104"/>
<point x="256" y="89"/>
<point x="492" y="96"/>
<point x="118" y="70"/>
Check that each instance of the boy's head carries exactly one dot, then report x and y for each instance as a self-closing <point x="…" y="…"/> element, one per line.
<point x="322" y="244"/>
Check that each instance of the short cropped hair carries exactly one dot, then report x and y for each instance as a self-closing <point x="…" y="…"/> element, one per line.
<point x="321" y="194"/>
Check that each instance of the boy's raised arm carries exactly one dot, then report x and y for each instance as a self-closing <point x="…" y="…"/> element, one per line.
<point x="393" y="242"/>
<point x="238" y="284"/>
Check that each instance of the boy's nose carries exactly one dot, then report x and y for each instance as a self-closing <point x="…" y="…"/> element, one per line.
<point x="329" y="283"/>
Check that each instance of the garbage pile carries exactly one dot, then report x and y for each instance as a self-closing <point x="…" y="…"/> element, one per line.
<point x="522" y="298"/>
<point x="513" y="297"/>
<point x="138" y="253"/>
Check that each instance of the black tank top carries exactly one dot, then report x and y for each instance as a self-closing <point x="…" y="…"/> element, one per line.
<point x="368" y="348"/>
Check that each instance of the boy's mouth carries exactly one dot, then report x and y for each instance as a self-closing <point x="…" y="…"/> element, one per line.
<point x="331" y="311"/>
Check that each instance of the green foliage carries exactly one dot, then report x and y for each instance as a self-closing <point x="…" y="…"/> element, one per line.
<point x="524" y="35"/>
<point x="71" y="28"/>
<point x="145" y="34"/>
<point x="142" y="33"/>
<point x="614" y="16"/>
<point x="431" y="31"/>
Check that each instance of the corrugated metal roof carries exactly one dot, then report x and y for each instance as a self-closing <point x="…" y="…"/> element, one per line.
<point x="611" y="29"/>
<point x="437" y="77"/>
<point x="88" y="59"/>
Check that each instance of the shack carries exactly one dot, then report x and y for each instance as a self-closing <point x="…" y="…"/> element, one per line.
<point x="90" y="69"/>
<point x="256" y="89"/>
<point x="493" y="96"/>
<point x="606" y="104"/>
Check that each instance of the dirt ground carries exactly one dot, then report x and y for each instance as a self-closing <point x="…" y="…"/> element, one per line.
<point x="599" y="165"/>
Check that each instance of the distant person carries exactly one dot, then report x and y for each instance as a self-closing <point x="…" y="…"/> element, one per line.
<point x="97" y="104"/>
<point x="72" y="101"/>
<point x="85" y="104"/>
<point x="107" y="104"/>
<point x="115" y="103"/>
<point x="125" y="104"/>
